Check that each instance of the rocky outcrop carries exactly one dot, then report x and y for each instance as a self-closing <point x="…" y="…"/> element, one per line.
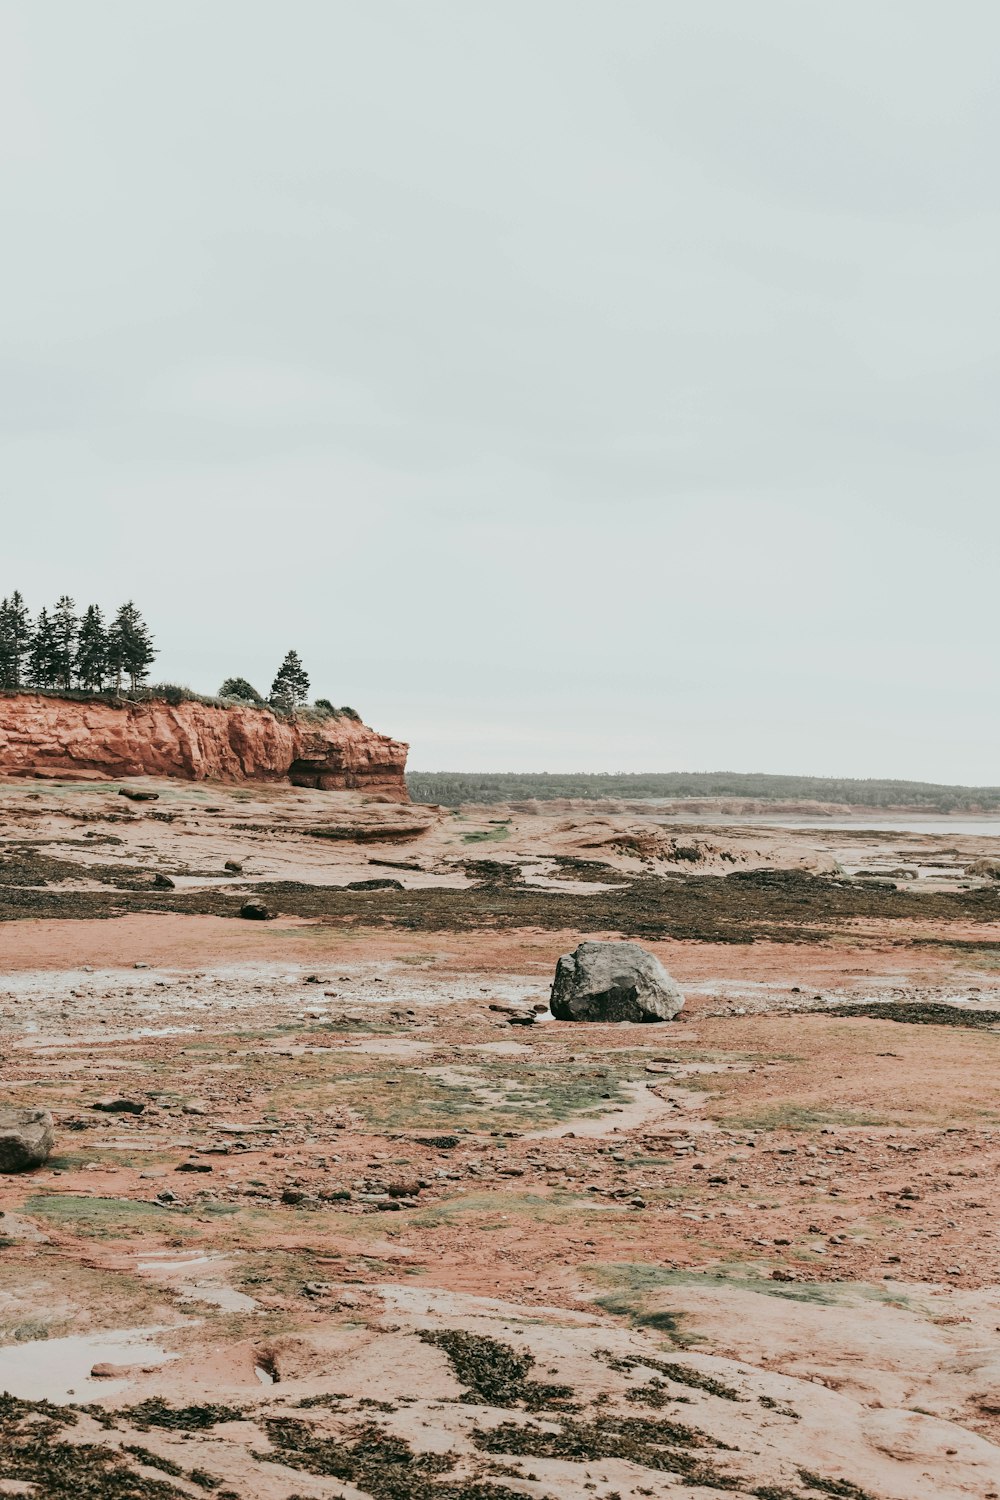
<point x="43" y="736"/>
<point x="613" y="982"/>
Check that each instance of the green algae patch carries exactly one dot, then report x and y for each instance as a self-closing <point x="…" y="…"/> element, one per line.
<point x="103" y="1218"/>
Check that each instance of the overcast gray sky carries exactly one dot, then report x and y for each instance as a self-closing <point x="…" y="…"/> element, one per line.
<point x="577" y="384"/>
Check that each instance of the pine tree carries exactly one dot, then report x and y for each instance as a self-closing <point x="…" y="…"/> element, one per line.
<point x="66" y="628"/>
<point x="290" y="687"/>
<point x="15" y="641"/>
<point x="42" y="662"/>
<point x="130" y="647"/>
<point x="91" y="663"/>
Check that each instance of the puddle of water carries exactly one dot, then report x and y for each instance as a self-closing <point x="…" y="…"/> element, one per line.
<point x="59" y="1369"/>
<point x="183" y="1275"/>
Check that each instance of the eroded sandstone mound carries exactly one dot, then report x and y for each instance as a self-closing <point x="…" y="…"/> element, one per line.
<point x="40" y="736"/>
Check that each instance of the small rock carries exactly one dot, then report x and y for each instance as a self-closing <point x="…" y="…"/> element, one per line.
<point x="407" y="1189"/>
<point x="193" y="1166"/>
<point x="235" y="867"/>
<point x="255" y="911"/>
<point x="117" y="1104"/>
<point x="135" y="795"/>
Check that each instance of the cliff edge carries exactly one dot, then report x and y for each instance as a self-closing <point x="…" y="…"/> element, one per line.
<point x="46" y="736"/>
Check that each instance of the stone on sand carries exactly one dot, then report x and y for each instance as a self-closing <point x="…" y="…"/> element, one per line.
<point x="255" y="911"/>
<point x="613" y="982"/>
<point x="26" y="1138"/>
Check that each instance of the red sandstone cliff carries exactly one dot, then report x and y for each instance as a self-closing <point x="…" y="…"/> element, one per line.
<point x="40" y="735"/>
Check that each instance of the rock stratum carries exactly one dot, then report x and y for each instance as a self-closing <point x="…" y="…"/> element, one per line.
<point x="45" y="736"/>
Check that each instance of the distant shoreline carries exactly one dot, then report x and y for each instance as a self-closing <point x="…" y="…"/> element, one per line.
<point x="743" y="794"/>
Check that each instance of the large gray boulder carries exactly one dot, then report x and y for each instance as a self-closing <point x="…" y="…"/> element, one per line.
<point x="613" y="982"/>
<point x="26" y="1138"/>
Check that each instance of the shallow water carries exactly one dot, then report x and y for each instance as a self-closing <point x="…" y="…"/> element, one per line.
<point x="59" y="1369"/>
<point x="874" y="821"/>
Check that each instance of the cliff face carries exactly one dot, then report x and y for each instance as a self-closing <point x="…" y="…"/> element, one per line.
<point x="52" y="736"/>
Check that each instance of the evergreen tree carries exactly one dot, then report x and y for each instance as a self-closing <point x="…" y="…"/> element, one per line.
<point x="65" y="629"/>
<point x="91" y="663"/>
<point x="42" y="663"/>
<point x="15" y="641"/>
<point x="290" y="687"/>
<point x="130" y="647"/>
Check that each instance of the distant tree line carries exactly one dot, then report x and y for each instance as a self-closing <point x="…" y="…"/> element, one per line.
<point x="450" y="788"/>
<point x="62" y="648"/>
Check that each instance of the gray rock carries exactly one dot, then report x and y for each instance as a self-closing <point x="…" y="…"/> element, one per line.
<point x="613" y="982"/>
<point x="255" y="911"/>
<point x="26" y="1138"/>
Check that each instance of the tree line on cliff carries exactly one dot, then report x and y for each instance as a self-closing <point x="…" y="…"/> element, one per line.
<point x="62" y="651"/>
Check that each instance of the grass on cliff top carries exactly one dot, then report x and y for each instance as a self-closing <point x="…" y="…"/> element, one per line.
<point x="176" y="693"/>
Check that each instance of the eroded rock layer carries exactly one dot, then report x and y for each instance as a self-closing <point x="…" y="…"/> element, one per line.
<point x="43" y="736"/>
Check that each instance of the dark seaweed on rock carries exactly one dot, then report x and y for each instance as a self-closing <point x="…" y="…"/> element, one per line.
<point x="784" y="906"/>
<point x="494" y="1373"/>
<point x="918" y="1014"/>
<point x="653" y="1444"/>
<point x="383" y="1466"/>
<point x="33" y="1453"/>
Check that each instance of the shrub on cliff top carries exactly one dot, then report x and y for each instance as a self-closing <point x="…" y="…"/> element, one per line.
<point x="175" y="693"/>
<point x="239" y="688"/>
<point x="324" y="709"/>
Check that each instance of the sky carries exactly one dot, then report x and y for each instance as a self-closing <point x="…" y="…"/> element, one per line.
<point x="575" y="384"/>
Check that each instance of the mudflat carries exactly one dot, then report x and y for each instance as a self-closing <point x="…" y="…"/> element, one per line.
<point x="327" y="1216"/>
